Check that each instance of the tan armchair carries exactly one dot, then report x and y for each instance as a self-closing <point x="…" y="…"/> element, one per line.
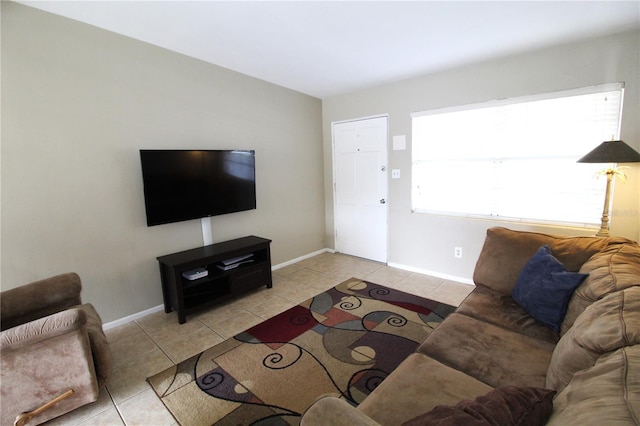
<point x="54" y="356"/>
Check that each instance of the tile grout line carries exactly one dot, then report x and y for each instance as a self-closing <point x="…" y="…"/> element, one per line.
<point x="113" y="401"/>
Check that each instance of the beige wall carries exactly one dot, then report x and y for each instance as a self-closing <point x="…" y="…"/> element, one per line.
<point x="77" y="105"/>
<point x="426" y="242"/>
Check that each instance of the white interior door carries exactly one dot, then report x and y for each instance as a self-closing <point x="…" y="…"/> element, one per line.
<point x="360" y="187"/>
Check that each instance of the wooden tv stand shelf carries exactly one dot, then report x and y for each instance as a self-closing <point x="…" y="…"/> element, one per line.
<point x="186" y="296"/>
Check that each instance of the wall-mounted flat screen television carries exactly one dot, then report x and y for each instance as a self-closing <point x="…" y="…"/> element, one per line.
<point x="191" y="184"/>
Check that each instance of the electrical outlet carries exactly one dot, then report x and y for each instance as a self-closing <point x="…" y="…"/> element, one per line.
<point x="457" y="252"/>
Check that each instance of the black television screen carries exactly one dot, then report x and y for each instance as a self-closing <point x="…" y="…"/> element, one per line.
<point x="191" y="184"/>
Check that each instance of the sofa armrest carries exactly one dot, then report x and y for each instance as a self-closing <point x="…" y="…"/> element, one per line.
<point x="329" y="410"/>
<point x="39" y="299"/>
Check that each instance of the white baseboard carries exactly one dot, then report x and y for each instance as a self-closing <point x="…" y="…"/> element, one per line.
<point x="133" y="317"/>
<point x="298" y="259"/>
<point x="463" y="280"/>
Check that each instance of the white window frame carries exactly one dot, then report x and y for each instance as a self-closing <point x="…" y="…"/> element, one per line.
<point x="454" y="183"/>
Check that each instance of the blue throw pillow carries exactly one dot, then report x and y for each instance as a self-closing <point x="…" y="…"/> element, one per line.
<point x="544" y="288"/>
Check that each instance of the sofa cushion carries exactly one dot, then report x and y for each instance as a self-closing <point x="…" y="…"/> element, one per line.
<point x="614" y="269"/>
<point x="606" y="325"/>
<point x="505" y="252"/>
<point x="508" y="405"/>
<point x="544" y="288"/>
<point x="500" y="309"/>
<point x="606" y="394"/>
<point x="418" y="385"/>
<point x="491" y="354"/>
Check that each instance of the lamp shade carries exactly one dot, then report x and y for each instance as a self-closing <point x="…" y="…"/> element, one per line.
<point x="612" y="152"/>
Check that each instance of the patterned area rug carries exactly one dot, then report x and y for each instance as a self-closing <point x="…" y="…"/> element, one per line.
<point x="344" y="342"/>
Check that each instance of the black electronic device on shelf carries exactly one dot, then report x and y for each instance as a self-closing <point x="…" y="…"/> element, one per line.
<point x="234" y="262"/>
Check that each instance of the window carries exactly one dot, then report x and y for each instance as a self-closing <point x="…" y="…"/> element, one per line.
<point x="515" y="159"/>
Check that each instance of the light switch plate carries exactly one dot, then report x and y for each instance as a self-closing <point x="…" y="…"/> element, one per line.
<point x="399" y="142"/>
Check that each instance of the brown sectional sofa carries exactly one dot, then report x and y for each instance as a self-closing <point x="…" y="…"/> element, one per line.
<point x="491" y="342"/>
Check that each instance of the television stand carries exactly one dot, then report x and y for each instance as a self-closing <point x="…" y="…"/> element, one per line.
<point x="221" y="284"/>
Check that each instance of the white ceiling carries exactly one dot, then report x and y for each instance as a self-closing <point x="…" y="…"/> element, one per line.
<point x="324" y="48"/>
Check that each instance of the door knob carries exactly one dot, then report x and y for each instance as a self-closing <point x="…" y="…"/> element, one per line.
<point x="383" y="201"/>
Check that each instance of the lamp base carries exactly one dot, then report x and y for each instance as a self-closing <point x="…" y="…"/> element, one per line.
<point x="604" y="222"/>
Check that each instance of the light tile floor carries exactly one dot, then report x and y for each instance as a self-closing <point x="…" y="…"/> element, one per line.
<point x="153" y="343"/>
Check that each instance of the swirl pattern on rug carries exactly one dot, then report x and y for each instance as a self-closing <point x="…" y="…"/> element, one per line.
<point x="344" y="341"/>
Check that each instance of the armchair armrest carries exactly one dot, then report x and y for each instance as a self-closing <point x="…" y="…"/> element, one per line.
<point x="39" y="299"/>
<point x="42" y="329"/>
<point x="43" y="359"/>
